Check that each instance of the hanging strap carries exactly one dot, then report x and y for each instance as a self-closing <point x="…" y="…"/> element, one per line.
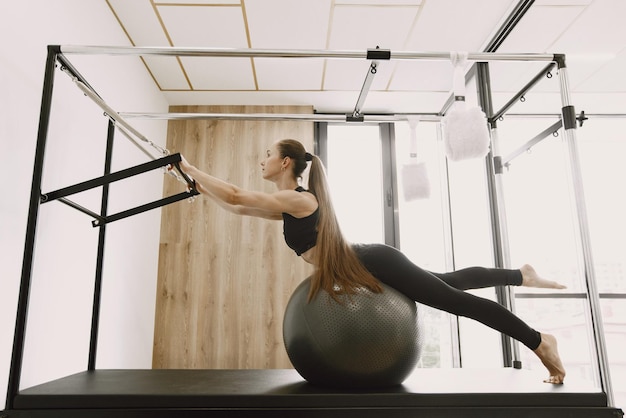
<point x="459" y="61"/>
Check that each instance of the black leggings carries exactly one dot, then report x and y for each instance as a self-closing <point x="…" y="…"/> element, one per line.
<point x="445" y="290"/>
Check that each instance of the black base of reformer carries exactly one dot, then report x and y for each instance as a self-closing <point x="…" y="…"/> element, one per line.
<point x="432" y="393"/>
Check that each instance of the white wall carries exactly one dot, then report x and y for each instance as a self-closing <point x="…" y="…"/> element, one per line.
<point x="64" y="269"/>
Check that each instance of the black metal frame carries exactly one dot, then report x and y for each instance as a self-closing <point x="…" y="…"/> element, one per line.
<point x="170" y="160"/>
<point x="31" y="227"/>
<point x="100" y="219"/>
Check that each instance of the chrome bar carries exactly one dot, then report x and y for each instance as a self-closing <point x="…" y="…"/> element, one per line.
<point x="369" y="78"/>
<point x="551" y="295"/>
<point x="597" y="327"/>
<point x="528" y="145"/>
<point x="111" y="113"/>
<point x="311" y="117"/>
<point x="502" y="222"/>
<point x="209" y="52"/>
<point x="116" y="118"/>
<point x="290" y="53"/>
<point x="128" y="136"/>
<point x="448" y="242"/>
<point x="558" y="115"/>
<point x="543" y="73"/>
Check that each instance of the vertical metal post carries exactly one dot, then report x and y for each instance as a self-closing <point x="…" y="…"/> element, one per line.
<point x="97" y="291"/>
<point x="320" y="141"/>
<point x="500" y="243"/>
<point x="31" y="231"/>
<point x="569" y="129"/>
<point x="390" y="193"/>
<point x="448" y="239"/>
<point x="505" y="294"/>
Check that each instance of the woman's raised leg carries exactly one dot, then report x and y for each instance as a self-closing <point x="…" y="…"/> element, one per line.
<point x="393" y="268"/>
<point x="481" y="277"/>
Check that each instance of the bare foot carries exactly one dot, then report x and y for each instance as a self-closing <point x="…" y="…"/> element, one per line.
<point x="549" y="356"/>
<point x="530" y="278"/>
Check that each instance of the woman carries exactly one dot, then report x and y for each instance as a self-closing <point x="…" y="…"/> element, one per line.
<point x="312" y="231"/>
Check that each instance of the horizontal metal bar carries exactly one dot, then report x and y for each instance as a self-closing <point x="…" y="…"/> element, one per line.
<point x="551" y="295"/>
<point x="524" y="148"/>
<point x="558" y="115"/>
<point x="612" y="295"/>
<point x="80" y="208"/>
<point x="110" y="178"/>
<point x="144" y="208"/>
<point x="289" y="53"/>
<point x="307" y="117"/>
<point x="336" y="117"/>
<point x="568" y="295"/>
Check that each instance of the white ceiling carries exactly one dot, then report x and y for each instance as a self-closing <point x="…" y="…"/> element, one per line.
<point x="592" y="34"/>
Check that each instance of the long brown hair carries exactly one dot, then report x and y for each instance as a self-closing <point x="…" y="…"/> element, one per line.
<point x="339" y="270"/>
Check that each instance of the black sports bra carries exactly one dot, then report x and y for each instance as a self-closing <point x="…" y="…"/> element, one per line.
<point x="300" y="233"/>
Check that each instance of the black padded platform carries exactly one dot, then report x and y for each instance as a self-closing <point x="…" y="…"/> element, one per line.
<point x="276" y="393"/>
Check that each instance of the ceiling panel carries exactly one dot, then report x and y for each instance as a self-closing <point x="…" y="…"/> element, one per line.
<point x="167" y="72"/>
<point x="537" y="32"/>
<point x="205" y="26"/>
<point x="404" y="102"/>
<point x="452" y="25"/>
<point x="600" y="29"/>
<point x="346" y="75"/>
<point x="363" y="27"/>
<point x="423" y="76"/>
<point x="380" y="2"/>
<point x="210" y="26"/>
<point x="299" y="24"/>
<point x="219" y="73"/>
<point x="562" y="2"/>
<point x="540" y="28"/>
<point x="590" y="32"/>
<point x="593" y="43"/>
<point x="140" y="22"/>
<point x="610" y="77"/>
<point x="197" y="2"/>
<point x="289" y="74"/>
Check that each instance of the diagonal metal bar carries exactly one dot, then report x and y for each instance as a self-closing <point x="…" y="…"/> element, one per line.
<point x="524" y="148"/>
<point x="144" y="208"/>
<point x="79" y="208"/>
<point x="110" y="178"/>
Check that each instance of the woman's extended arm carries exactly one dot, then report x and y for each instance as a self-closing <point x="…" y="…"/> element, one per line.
<point x="245" y="202"/>
<point x="241" y="210"/>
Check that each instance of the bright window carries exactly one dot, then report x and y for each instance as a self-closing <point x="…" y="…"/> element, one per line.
<point x="355" y="177"/>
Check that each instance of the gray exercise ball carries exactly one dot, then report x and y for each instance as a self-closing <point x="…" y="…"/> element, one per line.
<point x="369" y="340"/>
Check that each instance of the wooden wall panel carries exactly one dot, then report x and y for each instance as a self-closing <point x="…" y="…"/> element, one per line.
<point x="224" y="280"/>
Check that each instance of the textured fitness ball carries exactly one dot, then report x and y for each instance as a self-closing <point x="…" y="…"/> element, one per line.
<point x="369" y="340"/>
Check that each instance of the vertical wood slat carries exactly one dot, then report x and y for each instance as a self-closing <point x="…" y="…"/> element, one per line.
<point x="224" y="280"/>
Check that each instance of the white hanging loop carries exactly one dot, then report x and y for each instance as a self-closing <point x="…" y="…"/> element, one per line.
<point x="459" y="61"/>
<point x="413" y="121"/>
<point x="415" y="183"/>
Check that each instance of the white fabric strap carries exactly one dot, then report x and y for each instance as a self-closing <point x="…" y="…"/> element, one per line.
<point x="459" y="61"/>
